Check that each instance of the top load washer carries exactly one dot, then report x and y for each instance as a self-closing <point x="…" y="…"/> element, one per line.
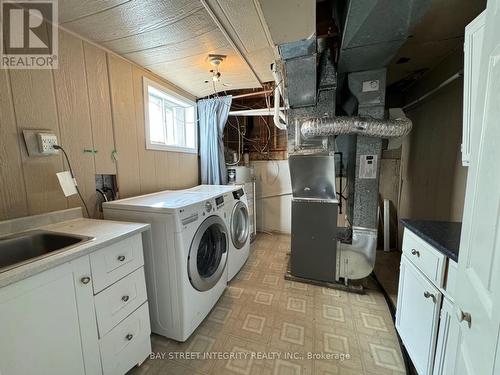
<point x="185" y="255"/>
<point x="238" y="224"/>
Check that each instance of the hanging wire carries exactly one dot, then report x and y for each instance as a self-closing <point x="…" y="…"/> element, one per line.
<point x="57" y="147"/>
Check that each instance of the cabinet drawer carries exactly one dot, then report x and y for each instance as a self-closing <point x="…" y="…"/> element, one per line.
<point x="128" y="344"/>
<point x="427" y="259"/>
<point x="116" y="261"/>
<point x="120" y="299"/>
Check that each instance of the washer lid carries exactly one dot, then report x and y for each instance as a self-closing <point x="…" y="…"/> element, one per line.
<point x="208" y="254"/>
<point x="240" y="225"/>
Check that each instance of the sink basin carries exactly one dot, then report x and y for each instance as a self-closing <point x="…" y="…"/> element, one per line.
<point x="25" y="247"/>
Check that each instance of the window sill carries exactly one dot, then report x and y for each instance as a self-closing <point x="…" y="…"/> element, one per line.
<point x="186" y="150"/>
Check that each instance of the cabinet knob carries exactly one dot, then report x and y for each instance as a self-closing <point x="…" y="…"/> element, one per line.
<point x="415" y="252"/>
<point x="121" y="258"/>
<point x="125" y="298"/>
<point x="465" y="317"/>
<point x="85" y="280"/>
<point x="129" y="337"/>
<point x="430" y="295"/>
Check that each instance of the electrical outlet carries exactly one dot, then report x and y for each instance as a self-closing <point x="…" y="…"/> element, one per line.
<point x="46" y="141"/>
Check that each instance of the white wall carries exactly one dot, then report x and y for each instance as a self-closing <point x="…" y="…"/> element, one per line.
<point x="273" y="196"/>
<point x="273" y="192"/>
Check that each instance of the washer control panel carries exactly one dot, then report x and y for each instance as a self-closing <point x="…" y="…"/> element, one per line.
<point x="219" y="201"/>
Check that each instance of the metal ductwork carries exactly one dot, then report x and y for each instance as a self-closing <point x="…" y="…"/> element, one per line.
<point x="357" y="259"/>
<point x="367" y="126"/>
<point x="299" y="61"/>
<point x="374" y="30"/>
<point x="372" y="33"/>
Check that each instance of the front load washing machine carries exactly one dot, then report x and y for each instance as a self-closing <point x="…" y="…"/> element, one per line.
<point x="185" y="255"/>
<point x="238" y="223"/>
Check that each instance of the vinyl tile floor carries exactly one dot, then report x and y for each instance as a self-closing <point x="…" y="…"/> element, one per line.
<point x="264" y="324"/>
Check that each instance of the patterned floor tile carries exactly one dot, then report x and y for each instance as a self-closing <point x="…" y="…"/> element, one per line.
<point x="342" y="343"/>
<point x="291" y="367"/>
<point x="242" y="360"/>
<point x="295" y="304"/>
<point x="311" y="329"/>
<point x="295" y="287"/>
<point x="293" y="336"/>
<point x="381" y="355"/>
<point x="254" y="323"/>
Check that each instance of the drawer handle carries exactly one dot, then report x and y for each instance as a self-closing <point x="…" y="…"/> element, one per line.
<point x="430" y="295"/>
<point x="129" y="337"/>
<point x="85" y="280"/>
<point x="121" y="258"/>
<point x="125" y="298"/>
<point x="415" y="252"/>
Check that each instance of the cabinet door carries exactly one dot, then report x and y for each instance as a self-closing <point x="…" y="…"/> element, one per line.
<point x="417" y="316"/>
<point x="48" y="324"/>
<point x="472" y="58"/>
<point x="447" y="340"/>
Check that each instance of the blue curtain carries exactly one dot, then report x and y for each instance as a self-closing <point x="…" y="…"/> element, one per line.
<point x="212" y="116"/>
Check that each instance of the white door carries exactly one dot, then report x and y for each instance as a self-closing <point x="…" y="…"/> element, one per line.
<point x="478" y="284"/>
<point x="48" y="324"/>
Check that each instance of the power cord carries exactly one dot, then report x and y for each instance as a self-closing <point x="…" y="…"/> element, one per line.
<point x="57" y="147"/>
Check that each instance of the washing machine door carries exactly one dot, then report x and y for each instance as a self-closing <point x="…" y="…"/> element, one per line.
<point x="208" y="254"/>
<point x="240" y="225"/>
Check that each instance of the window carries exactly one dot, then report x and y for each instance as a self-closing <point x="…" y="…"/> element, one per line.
<point x="170" y="120"/>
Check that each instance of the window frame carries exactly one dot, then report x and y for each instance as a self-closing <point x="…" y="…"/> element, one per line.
<point x="182" y="101"/>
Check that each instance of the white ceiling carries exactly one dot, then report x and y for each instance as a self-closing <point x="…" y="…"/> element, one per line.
<point x="173" y="38"/>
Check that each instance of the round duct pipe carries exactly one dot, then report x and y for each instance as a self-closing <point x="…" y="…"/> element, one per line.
<point x="328" y="126"/>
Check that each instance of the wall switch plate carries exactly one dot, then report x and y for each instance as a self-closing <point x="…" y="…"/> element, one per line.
<point x="40" y="142"/>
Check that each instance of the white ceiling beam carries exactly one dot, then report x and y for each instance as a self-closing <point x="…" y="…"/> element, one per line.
<point x="230" y="39"/>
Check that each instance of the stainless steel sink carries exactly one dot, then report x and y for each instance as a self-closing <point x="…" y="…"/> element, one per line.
<point x="25" y="247"/>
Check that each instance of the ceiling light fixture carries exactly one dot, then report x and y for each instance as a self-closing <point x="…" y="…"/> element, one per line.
<point x="215" y="75"/>
<point x="215" y="61"/>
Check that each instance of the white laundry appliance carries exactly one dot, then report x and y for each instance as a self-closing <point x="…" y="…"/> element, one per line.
<point x="245" y="176"/>
<point x="185" y="256"/>
<point x="239" y="223"/>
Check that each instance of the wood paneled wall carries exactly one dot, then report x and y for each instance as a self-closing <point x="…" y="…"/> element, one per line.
<point x="93" y="101"/>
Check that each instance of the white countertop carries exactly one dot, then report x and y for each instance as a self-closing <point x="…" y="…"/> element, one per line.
<point x="105" y="232"/>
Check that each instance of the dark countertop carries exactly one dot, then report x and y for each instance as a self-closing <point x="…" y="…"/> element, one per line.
<point x="443" y="235"/>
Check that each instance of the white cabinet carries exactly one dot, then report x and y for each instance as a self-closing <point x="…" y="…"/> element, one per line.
<point x="417" y="315"/>
<point x="472" y="55"/>
<point x="52" y="323"/>
<point x="48" y="325"/>
<point x="425" y="319"/>
<point x="447" y="340"/>
<point x="121" y="305"/>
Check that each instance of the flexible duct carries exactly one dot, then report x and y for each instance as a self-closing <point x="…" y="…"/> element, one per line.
<point x="327" y="126"/>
